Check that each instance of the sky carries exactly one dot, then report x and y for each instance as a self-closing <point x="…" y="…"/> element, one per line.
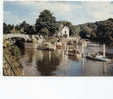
<point x="77" y="12"/>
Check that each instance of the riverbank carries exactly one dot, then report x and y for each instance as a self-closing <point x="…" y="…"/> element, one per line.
<point x="11" y="64"/>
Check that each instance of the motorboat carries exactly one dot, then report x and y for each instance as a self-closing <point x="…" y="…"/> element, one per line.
<point x="47" y="46"/>
<point x="99" y="57"/>
<point x="58" y="45"/>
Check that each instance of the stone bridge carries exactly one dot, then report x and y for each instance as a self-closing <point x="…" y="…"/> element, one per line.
<point x="13" y="37"/>
<point x="26" y="37"/>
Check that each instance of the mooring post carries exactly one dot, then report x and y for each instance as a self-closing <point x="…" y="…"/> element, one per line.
<point x="104" y="50"/>
<point x="82" y="52"/>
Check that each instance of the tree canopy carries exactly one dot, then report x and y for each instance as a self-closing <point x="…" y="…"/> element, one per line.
<point x="7" y="28"/>
<point x="46" y="20"/>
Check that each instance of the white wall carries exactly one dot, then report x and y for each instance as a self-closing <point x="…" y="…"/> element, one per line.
<point x="65" y="30"/>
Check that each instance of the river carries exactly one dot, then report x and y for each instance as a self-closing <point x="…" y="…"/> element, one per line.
<point x="55" y="63"/>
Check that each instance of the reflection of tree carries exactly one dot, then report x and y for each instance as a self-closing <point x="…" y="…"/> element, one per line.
<point x="29" y="53"/>
<point x="47" y="65"/>
<point x="30" y="58"/>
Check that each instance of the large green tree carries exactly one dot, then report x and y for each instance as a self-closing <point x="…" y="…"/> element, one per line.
<point x="25" y="26"/>
<point x="46" y="20"/>
<point x="104" y="32"/>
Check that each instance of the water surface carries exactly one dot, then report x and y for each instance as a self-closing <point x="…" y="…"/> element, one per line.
<point x="56" y="63"/>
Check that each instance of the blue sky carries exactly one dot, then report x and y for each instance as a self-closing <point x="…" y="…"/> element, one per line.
<point x="76" y="12"/>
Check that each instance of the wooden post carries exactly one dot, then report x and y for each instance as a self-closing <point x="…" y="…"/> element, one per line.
<point x="104" y="50"/>
<point x="34" y="42"/>
<point x="49" y="55"/>
<point x="82" y="55"/>
<point x="83" y="65"/>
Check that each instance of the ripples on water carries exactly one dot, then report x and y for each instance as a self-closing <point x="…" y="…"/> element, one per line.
<point x="56" y="63"/>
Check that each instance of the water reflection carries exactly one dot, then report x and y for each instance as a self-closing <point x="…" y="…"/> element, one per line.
<point x="57" y="63"/>
<point x="48" y="63"/>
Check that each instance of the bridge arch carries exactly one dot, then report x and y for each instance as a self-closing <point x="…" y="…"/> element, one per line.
<point x="14" y="36"/>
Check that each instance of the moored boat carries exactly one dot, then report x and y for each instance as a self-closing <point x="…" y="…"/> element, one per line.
<point x="59" y="45"/>
<point x="47" y="46"/>
<point x="99" y="57"/>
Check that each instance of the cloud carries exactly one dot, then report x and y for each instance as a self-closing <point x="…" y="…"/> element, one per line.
<point x="10" y="18"/>
<point x="99" y="10"/>
<point x="76" y="12"/>
<point x="62" y="10"/>
<point x="57" y="7"/>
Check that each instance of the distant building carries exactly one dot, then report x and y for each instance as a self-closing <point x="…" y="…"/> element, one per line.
<point x="63" y="31"/>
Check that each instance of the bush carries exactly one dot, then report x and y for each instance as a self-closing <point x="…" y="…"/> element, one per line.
<point x="15" y="51"/>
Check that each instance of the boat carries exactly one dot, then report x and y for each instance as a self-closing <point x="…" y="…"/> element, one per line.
<point x="58" y="45"/>
<point x="74" y="52"/>
<point x="99" y="57"/>
<point x="47" y="46"/>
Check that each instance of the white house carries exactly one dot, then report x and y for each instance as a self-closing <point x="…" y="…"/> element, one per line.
<point x="64" y="31"/>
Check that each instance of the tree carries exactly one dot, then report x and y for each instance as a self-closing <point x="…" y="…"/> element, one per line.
<point x="7" y="28"/>
<point x="85" y="31"/>
<point x="46" y="20"/>
<point x="17" y="27"/>
<point x="44" y="31"/>
<point x="25" y="26"/>
<point x="29" y="30"/>
<point x="105" y="32"/>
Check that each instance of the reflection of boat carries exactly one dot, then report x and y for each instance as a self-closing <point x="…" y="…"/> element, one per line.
<point x="47" y="46"/>
<point x="99" y="57"/>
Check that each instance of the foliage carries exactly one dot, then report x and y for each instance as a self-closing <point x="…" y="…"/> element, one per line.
<point x="15" y="51"/>
<point x="7" y="28"/>
<point x="46" y="23"/>
<point x="104" y="31"/>
<point x="101" y="31"/>
<point x="85" y="31"/>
